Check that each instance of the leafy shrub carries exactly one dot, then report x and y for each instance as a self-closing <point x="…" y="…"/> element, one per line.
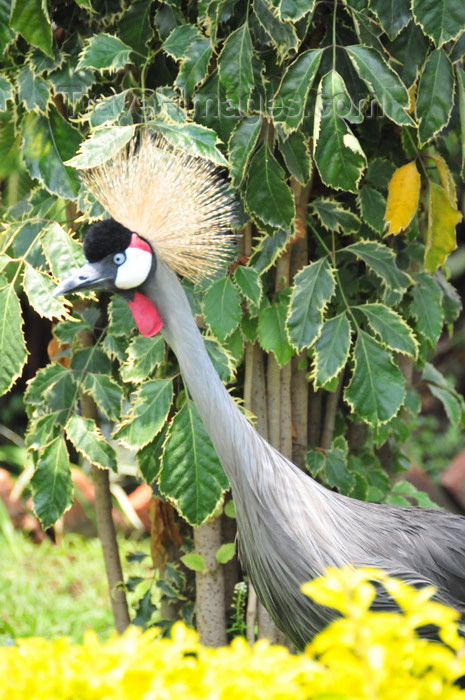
<point x="363" y="654"/>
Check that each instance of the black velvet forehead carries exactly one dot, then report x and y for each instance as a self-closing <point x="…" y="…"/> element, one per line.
<point x="104" y="238"/>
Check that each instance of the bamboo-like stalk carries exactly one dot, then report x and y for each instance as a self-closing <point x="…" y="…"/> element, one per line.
<point x="314" y="416"/>
<point x="209" y="586"/>
<point x="299" y="382"/>
<point x="332" y="402"/>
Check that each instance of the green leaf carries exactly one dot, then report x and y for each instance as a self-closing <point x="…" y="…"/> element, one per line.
<point x="441" y="20"/>
<point x="337" y="153"/>
<point x="315" y="462"/>
<point x="295" y="152"/>
<point x="43" y="430"/>
<point x="63" y="253"/>
<point x="451" y="301"/>
<point x="382" y="261"/>
<point x="331" y="349"/>
<point x="194" y="562"/>
<point x="194" y="139"/>
<point x="101" y="146"/>
<point x="180" y="40"/>
<point x="241" y="145"/>
<point x="194" y="65"/>
<point x="44" y="379"/>
<point x="40" y="63"/>
<point x="144" y="354"/>
<point x="282" y="34"/>
<point x="269" y="249"/>
<point x="51" y="483"/>
<point x="13" y="351"/>
<point x="461" y="101"/>
<point x="106" y="393"/>
<point x="313" y="288"/>
<point x="148" y="413"/>
<point x="235" y="66"/>
<point x="403" y="493"/>
<point x="222" y="307"/>
<point x="222" y="360"/>
<point x="7" y="35"/>
<point x="47" y="143"/>
<point x="135" y="27"/>
<point x="149" y="457"/>
<point x="6" y="92"/>
<point x="268" y="198"/>
<point x="121" y="318"/>
<point x="90" y="359"/>
<point x="334" y="217"/>
<point x="379" y="172"/>
<point x="191" y="475"/>
<point x="376" y="390"/>
<point x="39" y="288"/>
<point x="272" y="332"/>
<point x="453" y="403"/>
<point x="30" y="18"/>
<point x="71" y="81"/>
<point x="391" y="328"/>
<point x="225" y="553"/>
<point x="435" y="95"/>
<point x="336" y="472"/>
<point x="383" y="82"/>
<point x="408" y="52"/>
<point x="295" y="9"/>
<point x="291" y="97"/>
<point x="372" y="207"/>
<point x="394" y="15"/>
<point x="88" y="441"/>
<point x="109" y="110"/>
<point x="248" y="281"/>
<point x="33" y="90"/>
<point x="230" y="509"/>
<point x="426" y="307"/>
<point x="104" y="52"/>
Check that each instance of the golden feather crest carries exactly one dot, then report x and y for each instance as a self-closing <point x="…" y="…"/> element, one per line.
<point x="175" y="201"/>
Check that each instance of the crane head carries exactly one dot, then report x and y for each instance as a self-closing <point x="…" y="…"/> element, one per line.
<point x="118" y="261"/>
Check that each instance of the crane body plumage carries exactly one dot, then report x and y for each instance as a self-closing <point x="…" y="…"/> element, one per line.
<point x="290" y="527"/>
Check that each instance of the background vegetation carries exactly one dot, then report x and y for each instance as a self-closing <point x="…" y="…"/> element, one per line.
<point x="342" y="128"/>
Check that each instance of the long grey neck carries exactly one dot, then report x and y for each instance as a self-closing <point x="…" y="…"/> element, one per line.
<point x="231" y="434"/>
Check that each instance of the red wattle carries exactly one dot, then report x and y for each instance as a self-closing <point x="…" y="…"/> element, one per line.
<point x="145" y="315"/>
<point x="138" y="242"/>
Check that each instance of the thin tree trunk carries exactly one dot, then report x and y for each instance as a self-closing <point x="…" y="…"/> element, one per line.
<point x="209" y="586"/>
<point x="107" y="536"/>
<point x="251" y="615"/>
<point x="105" y="525"/>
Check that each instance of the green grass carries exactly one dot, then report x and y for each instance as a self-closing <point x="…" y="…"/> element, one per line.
<point x="52" y="590"/>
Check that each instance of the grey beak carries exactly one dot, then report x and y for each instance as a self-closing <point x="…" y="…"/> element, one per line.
<point x="97" y="275"/>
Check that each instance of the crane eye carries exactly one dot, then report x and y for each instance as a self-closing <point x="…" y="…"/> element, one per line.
<point x="119" y="258"/>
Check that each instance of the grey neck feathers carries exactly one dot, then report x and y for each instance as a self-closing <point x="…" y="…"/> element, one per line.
<point x="232" y="435"/>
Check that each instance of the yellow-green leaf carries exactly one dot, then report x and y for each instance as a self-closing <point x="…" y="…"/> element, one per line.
<point x="403" y="196"/>
<point x="443" y="217"/>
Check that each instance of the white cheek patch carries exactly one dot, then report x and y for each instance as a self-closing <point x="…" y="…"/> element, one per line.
<point x="135" y="270"/>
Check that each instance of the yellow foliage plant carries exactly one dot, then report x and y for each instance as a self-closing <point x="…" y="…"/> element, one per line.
<point x="363" y="654"/>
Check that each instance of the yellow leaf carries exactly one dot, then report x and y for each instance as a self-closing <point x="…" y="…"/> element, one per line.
<point x="443" y="217"/>
<point x="447" y="180"/>
<point x="403" y="196"/>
